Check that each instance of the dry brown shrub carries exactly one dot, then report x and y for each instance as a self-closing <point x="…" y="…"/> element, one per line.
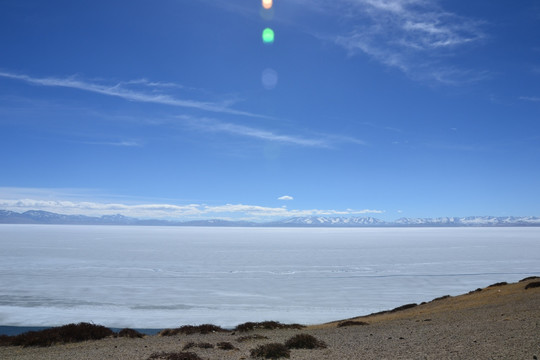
<point x="305" y="341"/>
<point x="174" y="356"/>
<point x="532" y="285"/>
<point x="59" y="335"/>
<point x="352" y="323"/>
<point x="270" y="351"/>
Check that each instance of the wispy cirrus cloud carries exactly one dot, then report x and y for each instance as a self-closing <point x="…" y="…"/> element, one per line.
<point x="247" y="131"/>
<point x="122" y="90"/>
<point x="133" y="90"/>
<point x="412" y="36"/>
<point x="152" y="84"/>
<point x="416" y="37"/>
<point x="122" y="143"/>
<point x="321" y="141"/>
<point x="171" y="211"/>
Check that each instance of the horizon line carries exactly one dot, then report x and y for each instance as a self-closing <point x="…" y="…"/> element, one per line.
<point x="431" y="221"/>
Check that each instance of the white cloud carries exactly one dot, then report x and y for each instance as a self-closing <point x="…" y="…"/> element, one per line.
<point x="320" y="141"/>
<point x="247" y="131"/>
<point x="120" y="90"/>
<point x="209" y="125"/>
<point x="415" y="36"/>
<point x="285" y="197"/>
<point x="122" y="143"/>
<point x="170" y="211"/>
<point x="153" y="84"/>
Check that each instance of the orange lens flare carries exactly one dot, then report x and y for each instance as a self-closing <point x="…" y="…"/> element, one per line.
<point x="267" y="4"/>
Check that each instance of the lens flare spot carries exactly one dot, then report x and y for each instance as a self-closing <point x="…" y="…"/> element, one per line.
<point x="269" y="79"/>
<point x="268" y="36"/>
<point x="267" y="4"/>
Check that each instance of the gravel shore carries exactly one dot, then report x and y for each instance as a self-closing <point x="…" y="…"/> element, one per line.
<point x="498" y="322"/>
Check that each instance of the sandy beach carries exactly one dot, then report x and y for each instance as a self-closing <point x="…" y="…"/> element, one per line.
<point x="497" y="322"/>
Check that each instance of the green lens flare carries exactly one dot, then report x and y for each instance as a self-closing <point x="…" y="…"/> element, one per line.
<point x="268" y="36"/>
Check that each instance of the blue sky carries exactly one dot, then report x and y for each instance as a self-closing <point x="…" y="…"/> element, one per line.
<point x="176" y="109"/>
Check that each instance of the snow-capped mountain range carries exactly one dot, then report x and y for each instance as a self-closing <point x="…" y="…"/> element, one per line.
<point x="44" y="217"/>
<point x="331" y="221"/>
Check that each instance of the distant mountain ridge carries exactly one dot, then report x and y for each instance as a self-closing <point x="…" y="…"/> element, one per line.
<point x="45" y="217"/>
<point x="331" y="221"/>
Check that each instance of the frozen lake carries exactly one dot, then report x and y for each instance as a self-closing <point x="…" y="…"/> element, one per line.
<point x="156" y="277"/>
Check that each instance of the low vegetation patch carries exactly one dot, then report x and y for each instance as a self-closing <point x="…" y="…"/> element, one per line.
<point x="403" y="307"/>
<point x="174" y="356"/>
<point x="475" y="291"/>
<point x="5" y="340"/>
<point x="201" y="345"/>
<point x="441" y="298"/>
<point x="168" y="332"/>
<point x="529" y="278"/>
<point x="224" y="345"/>
<point x="58" y="335"/>
<point x="251" y="337"/>
<point x="130" y="333"/>
<point x="498" y="284"/>
<point x="533" y="284"/>
<point x="271" y="351"/>
<point x="399" y="308"/>
<point x="379" y="313"/>
<point x="352" y="323"/>
<point x="266" y="325"/>
<point x="305" y="341"/>
<point x="190" y="329"/>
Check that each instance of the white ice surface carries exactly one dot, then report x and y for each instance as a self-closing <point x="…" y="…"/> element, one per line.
<point x="156" y="277"/>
